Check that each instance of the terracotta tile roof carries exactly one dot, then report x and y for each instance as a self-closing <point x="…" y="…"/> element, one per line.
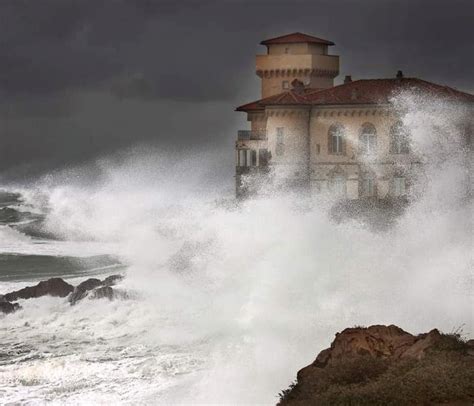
<point x="379" y="91"/>
<point x="295" y="38"/>
<point x="291" y="97"/>
<point x="367" y="91"/>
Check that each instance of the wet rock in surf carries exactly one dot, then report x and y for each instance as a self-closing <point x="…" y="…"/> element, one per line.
<point x="106" y="292"/>
<point x="112" y="280"/>
<point x="82" y="290"/>
<point x="52" y="287"/>
<point x="7" y="307"/>
<point x="386" y="365"/>
<point x="103" y="292"/>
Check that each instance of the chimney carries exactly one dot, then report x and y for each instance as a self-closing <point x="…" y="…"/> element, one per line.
<point x="348" y="79"/>
<point x="399" y="74"/>
<point x="297" y="86"/>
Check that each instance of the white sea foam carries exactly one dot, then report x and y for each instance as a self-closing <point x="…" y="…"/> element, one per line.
<point x="233" y="300"/>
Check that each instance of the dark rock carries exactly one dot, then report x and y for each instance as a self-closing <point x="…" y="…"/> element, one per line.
<point x="103" y="292"/>
<point x="470" y="347"/>
<point x="89" y="284"/>
<point x="386" y="365"/>
<point x="82" y="290"/>
<point x="112" y="280"/>
<point x="99" y="288"/>
<point x="52" y="287"/>
<point x="7" y="307"/>
<point x="376" y="341"/>
<point x="109" y="293"/>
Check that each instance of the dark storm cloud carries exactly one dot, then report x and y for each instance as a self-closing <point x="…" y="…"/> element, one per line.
<point x="50" y="45"/>
<point x="80" y="78"/>
<point x="198" y="49"/>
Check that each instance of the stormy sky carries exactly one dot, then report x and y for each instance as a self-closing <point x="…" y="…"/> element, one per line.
<point x="87" y="78"/>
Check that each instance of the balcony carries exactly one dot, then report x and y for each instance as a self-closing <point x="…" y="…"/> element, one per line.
<point x="246" y="135"/>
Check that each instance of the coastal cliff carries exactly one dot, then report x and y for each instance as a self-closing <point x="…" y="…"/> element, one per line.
<point x="385" y="365"/>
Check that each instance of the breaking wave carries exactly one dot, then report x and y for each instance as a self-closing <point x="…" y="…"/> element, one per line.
<point x="234" y="297"/>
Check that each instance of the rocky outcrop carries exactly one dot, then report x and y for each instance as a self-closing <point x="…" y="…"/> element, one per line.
<point x="58" y="287"/>
<point x="52" y="287"/>
<point x="386" y="365"/>
<point x="96" y="288"/>
<point x="112" y="280"/>
<point x="82" y="290"/>
<point x="7" y="307"/>
<point x="106" y="292"/>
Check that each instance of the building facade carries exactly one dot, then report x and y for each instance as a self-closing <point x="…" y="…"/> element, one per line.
<point x="346" y="140"/>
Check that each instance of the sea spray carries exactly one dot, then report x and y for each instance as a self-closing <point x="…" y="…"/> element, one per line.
<point x="234" y="297"/>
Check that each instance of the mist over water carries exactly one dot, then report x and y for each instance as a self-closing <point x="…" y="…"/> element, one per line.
<point x="231" y="298"/>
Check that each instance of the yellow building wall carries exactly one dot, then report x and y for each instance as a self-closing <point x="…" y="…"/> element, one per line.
<point x="274" y="85"/>
<point x="352" y="120"/>
<point x="382" y="165"/>
<point x="305" y="147"/>
<point x="315" y="70"/>
<point x="258" y="122"/>
<point x="295" y="125"/>
<point x="295" y="49"/>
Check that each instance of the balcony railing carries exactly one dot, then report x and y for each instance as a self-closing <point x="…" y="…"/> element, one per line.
<point x="245" y="135"/>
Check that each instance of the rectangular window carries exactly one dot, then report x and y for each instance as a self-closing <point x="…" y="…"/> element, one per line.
<point x="262" y="157"/>
<point x="338" y="186"/>
<point x="242" y="157"/>
<point x="337" y="144"/>
<point x="399" y="186"/>
<point x="253" y="157"/>
<point x="368" y="187"/>
<point x="286" y="85"/>
<point x="399" y="144"/>
<point x="280" y="142"/>
<point x="318" y="149"/>
<point x="336" y="139"/>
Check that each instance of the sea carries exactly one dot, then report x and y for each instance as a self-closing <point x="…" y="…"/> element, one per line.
<point x="227" y="299"/>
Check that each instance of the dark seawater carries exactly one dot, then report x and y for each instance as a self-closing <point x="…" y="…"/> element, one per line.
<point x="15" y="267"/>
<point x="25" y="247"/>
<point x="225" y="304"/>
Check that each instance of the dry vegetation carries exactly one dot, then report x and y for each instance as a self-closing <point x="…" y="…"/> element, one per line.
<point x="444" y="376"/>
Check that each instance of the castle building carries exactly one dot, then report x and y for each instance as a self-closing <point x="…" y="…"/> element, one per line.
<point x="345" y="139"/>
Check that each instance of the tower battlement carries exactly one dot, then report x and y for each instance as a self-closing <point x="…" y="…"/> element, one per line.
<point x="296" y="56"/>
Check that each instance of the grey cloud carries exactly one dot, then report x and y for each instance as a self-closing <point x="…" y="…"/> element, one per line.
<point x="83" y="78"/>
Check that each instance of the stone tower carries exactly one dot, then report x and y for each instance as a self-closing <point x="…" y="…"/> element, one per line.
<point x="296" y="56"/>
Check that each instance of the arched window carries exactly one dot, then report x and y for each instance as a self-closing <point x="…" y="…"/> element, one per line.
<point x="368" y="139"/>
<point x="336" y="140"/>
<point x="399" y="140"/>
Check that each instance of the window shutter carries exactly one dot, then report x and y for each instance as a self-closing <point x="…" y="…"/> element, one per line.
<point x="330" y="151"/>
<point x="343" y="141"/>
